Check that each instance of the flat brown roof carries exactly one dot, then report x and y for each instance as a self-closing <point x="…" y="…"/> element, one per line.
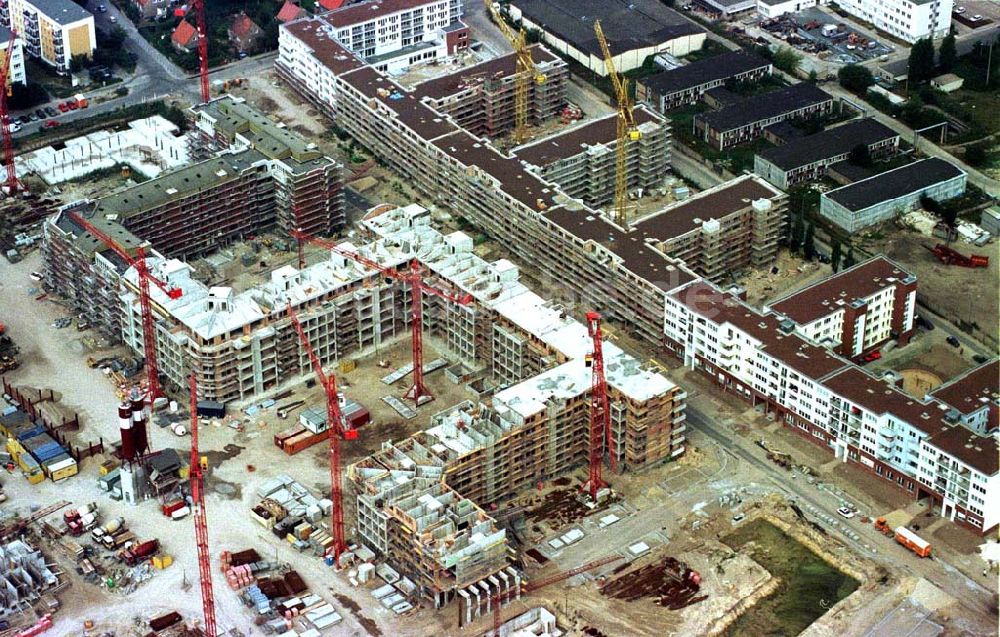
<point x="511" y="176"/>
<point x="637" y="256"/>
<point x="576" y="140"/>
<point x="427" y="123"/>
<point x="367" y="11"/>
<point x="979" y="452"/>
<point x="452" y="83"/>
<point x="316" y="34"/>
<point x="880" y="397"/>
<point x="855" y="283"/>
<point x="728" y="198"/>
<point x="973" y="390"/>
<point x="723" y="307"/>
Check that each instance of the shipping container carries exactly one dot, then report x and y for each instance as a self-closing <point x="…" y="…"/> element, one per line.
<point x="30" y="432"/>
<point x="108" y="482"/>
<point x="912" y="541"/>
<point x="60" y="468"/>
<point x="211" y="409"/>
<point x="299" y="440"/>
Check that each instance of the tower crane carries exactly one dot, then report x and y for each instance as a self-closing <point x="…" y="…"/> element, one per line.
<point x="197" y="479"/>
<point x="526" y="72"/>
<point x="496" y="600"/>
<point x="600" y="416"/>
<point x="145" y="278"/>
<point x="12" y="184"/>
<point x="199" y="7"/>
<point x="414" y="277"/>
<point x="627" y="129"/>
<point x="337" y="431"/>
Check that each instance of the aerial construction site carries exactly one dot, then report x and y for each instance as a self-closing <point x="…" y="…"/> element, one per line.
<point x="420" y="325"/>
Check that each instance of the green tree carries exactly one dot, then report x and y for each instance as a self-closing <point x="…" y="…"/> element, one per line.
<point x="947" y="54"/>
<point x="849" y="259"/>
<point x="855" y="78"/>
<point x="795" y="240"/>
<point x="977" y="154"/>
<point x="786" y="59"/>
<point x="860" y="156"/>
<point x="921" y="64"/>
<point x="813" y="77"/>
<point x="835" y="254"/>
<point x="809" y="243"/>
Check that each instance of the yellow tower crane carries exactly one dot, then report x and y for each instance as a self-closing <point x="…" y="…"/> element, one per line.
<point x="526" y="73"/>
<point x="627" y="130"/>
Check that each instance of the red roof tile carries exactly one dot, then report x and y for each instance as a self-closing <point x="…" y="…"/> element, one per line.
<point x="331" y="4"/>
<point x="184" y="34"/>
<point x="243" y="27"/>
<point x="290" y="11"/>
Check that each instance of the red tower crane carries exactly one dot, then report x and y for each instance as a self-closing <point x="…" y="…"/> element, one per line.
<point x="335" y="425"/>
<point x="197" y="478"/>
<point x="600" y="416"/>
<point x="497" y="599"/>
<point x="417" y="286"/>
<point x="199" y="7"/>
<point x="12" y="184"/>
<point x="145" y="278"/>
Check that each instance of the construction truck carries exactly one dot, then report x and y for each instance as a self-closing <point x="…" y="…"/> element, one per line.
<point x="82" y="519"/>
<point x="139" y="552"/>
<point x="950" y="256"/>
<point x="883" y="527"/>
<point x="122" y="537"/>
<point x="109" y="527"/>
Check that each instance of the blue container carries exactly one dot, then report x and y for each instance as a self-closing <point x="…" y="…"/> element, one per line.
<point x="31" y="433"/>
<point x="329" y="560"/>
<point x="48" y="452"/>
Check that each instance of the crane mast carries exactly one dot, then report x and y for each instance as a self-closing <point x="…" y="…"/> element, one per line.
<point x="145" y="278"/>
<point x="12" y="185"/>
<point x="417" y="392"/>
<point x="199" y="7"/>
<point x="201" y="520"/>
<point x="526" y="72"/>
<point x="627" y="129"/>
<point x="335" y="426"/>
<point x="600" y="415"/>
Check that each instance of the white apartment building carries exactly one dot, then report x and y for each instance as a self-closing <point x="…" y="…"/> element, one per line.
<point x="53" y="31"/>
<point x="908" y="20"/>
<point x="393" y="34"/>
<point x="16" y="71"/>
<point x="857" y="310"/>
<point x="927" y="447"/>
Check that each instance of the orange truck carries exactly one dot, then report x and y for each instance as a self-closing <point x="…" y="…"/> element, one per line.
<point x="912" y="541"/>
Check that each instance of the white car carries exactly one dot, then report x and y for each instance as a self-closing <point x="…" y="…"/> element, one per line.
<point x="36" y="276"/>
<point x="977" y="18"/>
<point x="846" y="512"/>
<point x="960" y="10"/>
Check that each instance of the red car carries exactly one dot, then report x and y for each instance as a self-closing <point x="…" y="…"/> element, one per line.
<point x="72" y="105"/>
<point x="873" y="356"/>
<point x="50" y="123"/>
<point x="63" y="107"/>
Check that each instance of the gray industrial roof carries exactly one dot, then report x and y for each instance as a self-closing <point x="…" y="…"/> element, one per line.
<point x="829" y="143"/>
<point x="894" y="183"/>
<point x="718" y="67"/>
<point x="627" y="24"/>
<point x="62" y="11"/>
<point x="766" y="105"/>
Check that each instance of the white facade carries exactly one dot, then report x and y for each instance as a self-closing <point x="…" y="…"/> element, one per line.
<point x="908" y="20"/>
<point x="775" y="8"/>
<point x="858" y="417"/>
<point x="392" y="36"/>
<point x="16" y="71"/>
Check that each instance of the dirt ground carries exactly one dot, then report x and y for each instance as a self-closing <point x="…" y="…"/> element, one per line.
<point x="927" y="352"/>
<point x="787" y="274"/>
<point x="961" y="295"/>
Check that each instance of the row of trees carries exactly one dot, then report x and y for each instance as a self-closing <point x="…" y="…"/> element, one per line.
<point x="802" y="240"/>
<point x="922" y="65"/>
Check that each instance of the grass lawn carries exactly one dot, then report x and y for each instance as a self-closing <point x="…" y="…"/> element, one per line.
<point x="736" y="159"/>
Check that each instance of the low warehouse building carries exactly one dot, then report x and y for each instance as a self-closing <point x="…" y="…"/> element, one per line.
<point x="882" y="197"/>
<point x="635" y="29"/>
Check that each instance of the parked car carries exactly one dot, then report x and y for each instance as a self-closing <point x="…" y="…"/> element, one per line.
<point x="14" y="126"/>
<point x="979" y="358"/>
<point x="72" y="105"/>
<point x="113" y="19"/>
<point x="36" y="276"/>
<point x="953" y="341"/>
<point x="51" y="111"/>
<point x="63" y="107"/>
<point x="50" y="123"/>
<point x="960" y="10"/>
<point x="977" y="18"/>
<point x="102" y="9"/>
<point x="739" y="517"/>
<point x="41" y="113"/>
<point x="24" y="119"/>
<point x="32" y="117"/>
<point x="846" y="512"/>
<point x="872" y="356"/>
<point x="925" y="323"/>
